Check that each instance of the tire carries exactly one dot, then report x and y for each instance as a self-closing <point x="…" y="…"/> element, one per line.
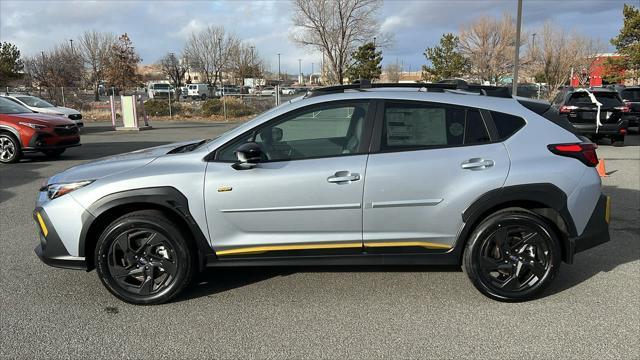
<point x="203" y="97"/>
<point x="143" y="258"/>
<point x="617" y="141"/>
<point x="54" y="153"/>
<point x="10" y="151"/>
<point x="519" y="267"/>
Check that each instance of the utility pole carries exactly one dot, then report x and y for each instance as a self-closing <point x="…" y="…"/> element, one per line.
<point x="311" y="76"/>
<point x="279" y="68"/>
<point x="514" y="91"/>
<point x="300" y="79"/>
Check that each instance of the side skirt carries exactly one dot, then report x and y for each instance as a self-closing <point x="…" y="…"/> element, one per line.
<point x="449" y="258"/>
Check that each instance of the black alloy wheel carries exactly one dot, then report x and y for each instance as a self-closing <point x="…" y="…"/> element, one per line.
<point x="142" y="258"/>
<point x="512" y="255"/>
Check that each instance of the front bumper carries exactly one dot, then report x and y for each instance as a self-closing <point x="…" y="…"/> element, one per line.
<point x="596" y="232"/>
<point x="51" y="250"/>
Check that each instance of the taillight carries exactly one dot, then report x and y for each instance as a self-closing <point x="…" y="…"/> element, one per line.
<point x="565" y="109"/>
<point x="624" y="108"/>
<point x="585" y="152"/>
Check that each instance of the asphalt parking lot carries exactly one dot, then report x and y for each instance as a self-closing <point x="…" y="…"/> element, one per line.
<point x="591" y="311"/>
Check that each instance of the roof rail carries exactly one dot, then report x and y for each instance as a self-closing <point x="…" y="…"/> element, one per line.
<point x="363" y="85"/>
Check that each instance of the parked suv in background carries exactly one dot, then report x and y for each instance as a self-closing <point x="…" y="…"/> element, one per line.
<point x="577" y="107"/>
<point x="23" y="130"/>
<point x="40" y="106"/>
<point x="631" y="97"/>
<point x="348" y="175"/>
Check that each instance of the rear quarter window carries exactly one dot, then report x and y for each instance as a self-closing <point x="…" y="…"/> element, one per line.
<point x="631" y="95"/>
<point x="506" y="124"/>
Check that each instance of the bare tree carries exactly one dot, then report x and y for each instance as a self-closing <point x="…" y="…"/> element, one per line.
<point x="245" y="62"/>
<point x="489" y="45"/>
<point x="335" y="28"/>
<point x="210" y="51"/>
<point x="393" y="72"/>
<point x="558" y="52"/>
<point x="173" y="68"/>
<point x="60" y="67"/>
<point x="94" y="48"/>
<point x="122" y="65"/>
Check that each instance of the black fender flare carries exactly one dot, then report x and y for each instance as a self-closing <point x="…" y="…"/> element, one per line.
<point x="166" y="197"/>
<point x="546" y="194"/>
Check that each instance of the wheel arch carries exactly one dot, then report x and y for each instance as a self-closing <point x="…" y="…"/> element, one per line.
<point x="168" y="200"/>
<point x="544" y="199"/>
<point x="9" y="130"/>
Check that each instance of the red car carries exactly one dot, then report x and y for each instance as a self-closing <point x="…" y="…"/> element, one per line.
<point x="22" y="130"/>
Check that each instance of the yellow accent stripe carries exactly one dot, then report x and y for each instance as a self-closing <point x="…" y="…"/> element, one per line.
<point x="43" y="227"/>
<point x="262" y="249"/>
<point x="607" y="210"/>
<point x="424" y="244"/>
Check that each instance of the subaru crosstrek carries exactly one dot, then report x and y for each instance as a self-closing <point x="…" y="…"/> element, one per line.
<point x="347" y="175"/>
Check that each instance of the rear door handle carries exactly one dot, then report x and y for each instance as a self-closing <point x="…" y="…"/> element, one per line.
<point x="477" y="164"/>
<point x="343" y="177"/>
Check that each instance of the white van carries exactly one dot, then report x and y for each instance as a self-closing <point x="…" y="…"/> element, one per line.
<point x="198" y="91"/>
<point x="160" y="90"/>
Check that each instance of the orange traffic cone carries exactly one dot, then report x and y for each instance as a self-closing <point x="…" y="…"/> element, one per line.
<point x="601" y="170"/>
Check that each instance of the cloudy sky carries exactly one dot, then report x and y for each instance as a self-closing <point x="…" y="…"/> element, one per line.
<point x="158" y="27"/>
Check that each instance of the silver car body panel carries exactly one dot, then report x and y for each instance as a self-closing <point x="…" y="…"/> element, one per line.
<point x="401" y="196"/>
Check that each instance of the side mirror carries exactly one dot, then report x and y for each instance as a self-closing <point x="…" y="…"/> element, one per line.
<point x="248" y="155"/>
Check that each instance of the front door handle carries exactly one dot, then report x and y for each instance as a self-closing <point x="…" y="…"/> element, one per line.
<point x="477" y="164"/>
<point x="343" y="177"/>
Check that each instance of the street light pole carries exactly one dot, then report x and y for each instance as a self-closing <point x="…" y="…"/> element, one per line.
<point x="279" y="68"/>
<point x="300" y="80"/>
<point x="514" y="90"/>
<point x="311" y="76"/>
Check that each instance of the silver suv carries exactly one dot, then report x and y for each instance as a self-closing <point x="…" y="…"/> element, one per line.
<point x="347" y="175"/>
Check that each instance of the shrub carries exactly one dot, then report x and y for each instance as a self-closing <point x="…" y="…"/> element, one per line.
<point x="235" y="107"/>
<point x="155" y="107"/>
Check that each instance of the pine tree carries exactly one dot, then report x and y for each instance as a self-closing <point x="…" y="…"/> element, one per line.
<point x="446" y="60"/>
<point x="628" y="44"/>
<point x="366" y="63"/>
<point x="10" y="64"/>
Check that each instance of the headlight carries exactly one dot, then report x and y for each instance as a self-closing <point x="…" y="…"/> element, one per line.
<point x="33" y="126"/>
<point x="57" y="190"/>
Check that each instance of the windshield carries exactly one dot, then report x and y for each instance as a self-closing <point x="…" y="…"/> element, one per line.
<point x="161" y="86"/>
<point x="631" y="95"/>
<point x="9" y="107"/>
<point x="34" y="101"/>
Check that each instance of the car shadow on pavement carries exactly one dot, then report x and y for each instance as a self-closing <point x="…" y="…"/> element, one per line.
<point x="623" y="248"/>
<point x="12" y="175"/>
<point x="218" y="280"/>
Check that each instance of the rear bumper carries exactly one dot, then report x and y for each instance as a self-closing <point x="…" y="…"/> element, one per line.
<point x="51" y="250"/>
<point x="596" y="232"/>
<point x="605" y="129"/>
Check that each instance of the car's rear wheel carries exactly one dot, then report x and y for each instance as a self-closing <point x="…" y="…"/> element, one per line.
<point x="143" y="258"/>
<point x="54" y="153"/>
<point x="10" y="151"/>
<point x="203" y="97"/>
<point x="513" y="255"/>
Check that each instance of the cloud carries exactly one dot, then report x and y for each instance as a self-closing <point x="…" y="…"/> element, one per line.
<point x="158" y="27"/>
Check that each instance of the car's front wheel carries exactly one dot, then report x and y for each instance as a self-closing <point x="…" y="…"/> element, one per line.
<point x="513" y="255"/>
<point x="9" y="149"/>
<point x="143" y="258"/>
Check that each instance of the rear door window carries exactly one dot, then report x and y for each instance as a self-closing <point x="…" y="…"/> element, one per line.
<point x="418" y="125"/>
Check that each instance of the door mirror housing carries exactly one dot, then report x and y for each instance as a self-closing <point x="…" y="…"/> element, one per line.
<point x="248" y="155"/>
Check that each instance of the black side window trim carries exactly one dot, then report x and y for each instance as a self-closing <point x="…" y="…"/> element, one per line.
<point x="379" y="123"/>
<point x="366" y="135"/>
